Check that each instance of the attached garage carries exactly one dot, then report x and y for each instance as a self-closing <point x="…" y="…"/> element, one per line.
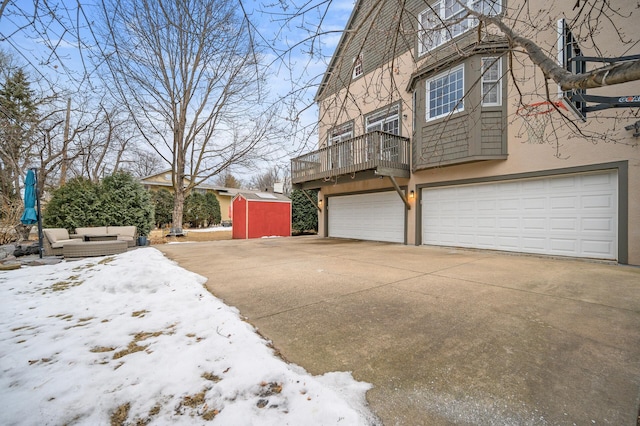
<point x="378" y="216"/>
<point x="568" y="215"/>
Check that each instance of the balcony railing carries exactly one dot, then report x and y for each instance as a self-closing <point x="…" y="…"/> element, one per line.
<point x="371" y="151"/>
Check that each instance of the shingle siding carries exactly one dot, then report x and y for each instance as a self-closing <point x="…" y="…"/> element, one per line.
<point x="494" y="133"/>
<point x="377" y="34"/>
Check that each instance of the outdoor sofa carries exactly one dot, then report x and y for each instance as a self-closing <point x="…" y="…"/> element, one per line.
<point x="124" y="233"/>
<point x="54" y="239"/>
<point x="58" y="241"/>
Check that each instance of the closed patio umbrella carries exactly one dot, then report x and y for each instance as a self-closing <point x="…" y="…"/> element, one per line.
<point x="29" y="216"/>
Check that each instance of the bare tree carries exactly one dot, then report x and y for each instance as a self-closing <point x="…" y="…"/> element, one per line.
<point x="141" y="163"/>
<point x="268" y="180"/>
<point x="227" y="180"/>
<point x="302" y="32"/>
<point x="192" y="79"/>
<point x="102" y="148"/>
<point x="391" y="29"/>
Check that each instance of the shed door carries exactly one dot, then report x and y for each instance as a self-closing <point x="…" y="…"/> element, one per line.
<point x="568" y="215"/>
<point x="377" y="216"/>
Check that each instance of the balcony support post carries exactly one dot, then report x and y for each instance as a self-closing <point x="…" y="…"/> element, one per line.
<point x="311" y="200"/>
<point x="400" y="193"/>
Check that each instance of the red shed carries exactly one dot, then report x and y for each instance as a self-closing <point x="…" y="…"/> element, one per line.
<point x="261" y="214"/>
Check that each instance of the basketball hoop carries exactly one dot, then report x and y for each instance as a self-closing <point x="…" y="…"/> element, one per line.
<point x="536" y="117"/>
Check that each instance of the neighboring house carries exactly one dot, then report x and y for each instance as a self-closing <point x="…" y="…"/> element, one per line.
<point x="224" y="195"/>
<point x="423" y="139"/>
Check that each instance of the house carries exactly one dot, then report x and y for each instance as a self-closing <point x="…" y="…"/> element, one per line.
<point x="449" y="136"/>
<point x="162" y="180"/>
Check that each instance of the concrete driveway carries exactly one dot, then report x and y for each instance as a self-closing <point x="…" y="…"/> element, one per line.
<point x="445" y="336"/>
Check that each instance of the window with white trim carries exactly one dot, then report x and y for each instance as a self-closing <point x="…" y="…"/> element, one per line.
<point x="387" y="121"/>
<point x="357" y="66"/>
<point x="491" y="88"/>
<point x="445" y="93"/>
<point x="447" y="19"/>
<point x="341" y="133"/>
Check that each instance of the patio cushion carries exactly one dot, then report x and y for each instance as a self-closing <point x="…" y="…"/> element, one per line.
<point x="56" y="234"/>
<point x="123" y="231"/>
<point x="61" y="243"/>
<point x="93" y="230"/>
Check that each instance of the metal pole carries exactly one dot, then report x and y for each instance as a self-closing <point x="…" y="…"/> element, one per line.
<point x="35" y="172"/>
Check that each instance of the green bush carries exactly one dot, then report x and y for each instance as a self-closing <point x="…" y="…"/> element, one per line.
<point x="213" y="208"/>
<point x="201" y="210"/>
<point x="304" y="215"/>
<point x="163" y="204"/>
<point x="119" y="200"/>
<point x="73" y="205"/>
<point x="126" y="202"/>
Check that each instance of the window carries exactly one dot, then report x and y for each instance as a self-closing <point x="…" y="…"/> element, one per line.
<point x="387" y="120"/>
<point x="357" y="66"/>
<point x="340" y="155"/>
<point x="383" y="146"/>
<point x="491" y="89"/>
<point x="445" y="93"/>
<point x="341" y="133"/>
<point x="447" y="19"/>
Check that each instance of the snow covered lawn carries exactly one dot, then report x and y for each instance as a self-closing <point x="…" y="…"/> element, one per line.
<point x="135" y="339"/>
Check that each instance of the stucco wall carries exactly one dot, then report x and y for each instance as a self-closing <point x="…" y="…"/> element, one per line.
<point x="568" y="143"/>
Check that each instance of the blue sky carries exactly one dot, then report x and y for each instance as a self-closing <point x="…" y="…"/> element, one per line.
<point x="66" y="68"/>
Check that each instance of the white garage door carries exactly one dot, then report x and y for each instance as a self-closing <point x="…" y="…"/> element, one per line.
<point x="567" y="215"/>
<point x="378" y="217"/>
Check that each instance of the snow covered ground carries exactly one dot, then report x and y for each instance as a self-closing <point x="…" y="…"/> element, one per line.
<point x="212" y="229"/>
<point x="135" y="339"/>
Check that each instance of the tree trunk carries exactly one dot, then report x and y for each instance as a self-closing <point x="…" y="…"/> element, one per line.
<point x="178" y="208"/>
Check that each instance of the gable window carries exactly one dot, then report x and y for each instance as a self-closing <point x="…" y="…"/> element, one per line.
<point x="387" y="121"/>
<point x="357" y="66"/>
<point x="491" y="89"/>
<point x="447" y="19"/>
<point x="445" y="93"/>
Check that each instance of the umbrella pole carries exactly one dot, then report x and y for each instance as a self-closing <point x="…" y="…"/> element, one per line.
<point x="35" y="172"/>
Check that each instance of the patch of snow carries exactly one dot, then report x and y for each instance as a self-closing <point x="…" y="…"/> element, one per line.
<point x="138" y="336"/>
<point x="213" y="229"/>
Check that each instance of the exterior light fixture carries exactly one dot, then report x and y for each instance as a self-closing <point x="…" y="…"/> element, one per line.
<point x="412" y="194"/>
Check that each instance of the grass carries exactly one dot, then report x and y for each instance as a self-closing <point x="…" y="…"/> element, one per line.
<point x="158" y="236"/>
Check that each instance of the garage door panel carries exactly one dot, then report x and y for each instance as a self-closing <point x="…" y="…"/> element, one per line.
<point x="509" y="223"/>
<point x="565" y="202"/>
<point x="604" y="181"/>
<point x="539" y="203"/>
<point x="597" y="224"/>
<point x="534" y="244"/>
<point x="534" y="223"/>
<point x="563" y="182"/>
<point x="512" y="204"/>
<point x="488" y="205"/>
<point x="564" y="245"/>
<point x="376" y="216"/>
<point x="600" y="201"/>
<point x="574" y="215"/>
<point x="597" y="248"/>
<point x="563" y="224"/>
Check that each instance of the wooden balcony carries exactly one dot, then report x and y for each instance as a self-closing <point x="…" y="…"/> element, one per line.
<point x="379" y="153"/>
